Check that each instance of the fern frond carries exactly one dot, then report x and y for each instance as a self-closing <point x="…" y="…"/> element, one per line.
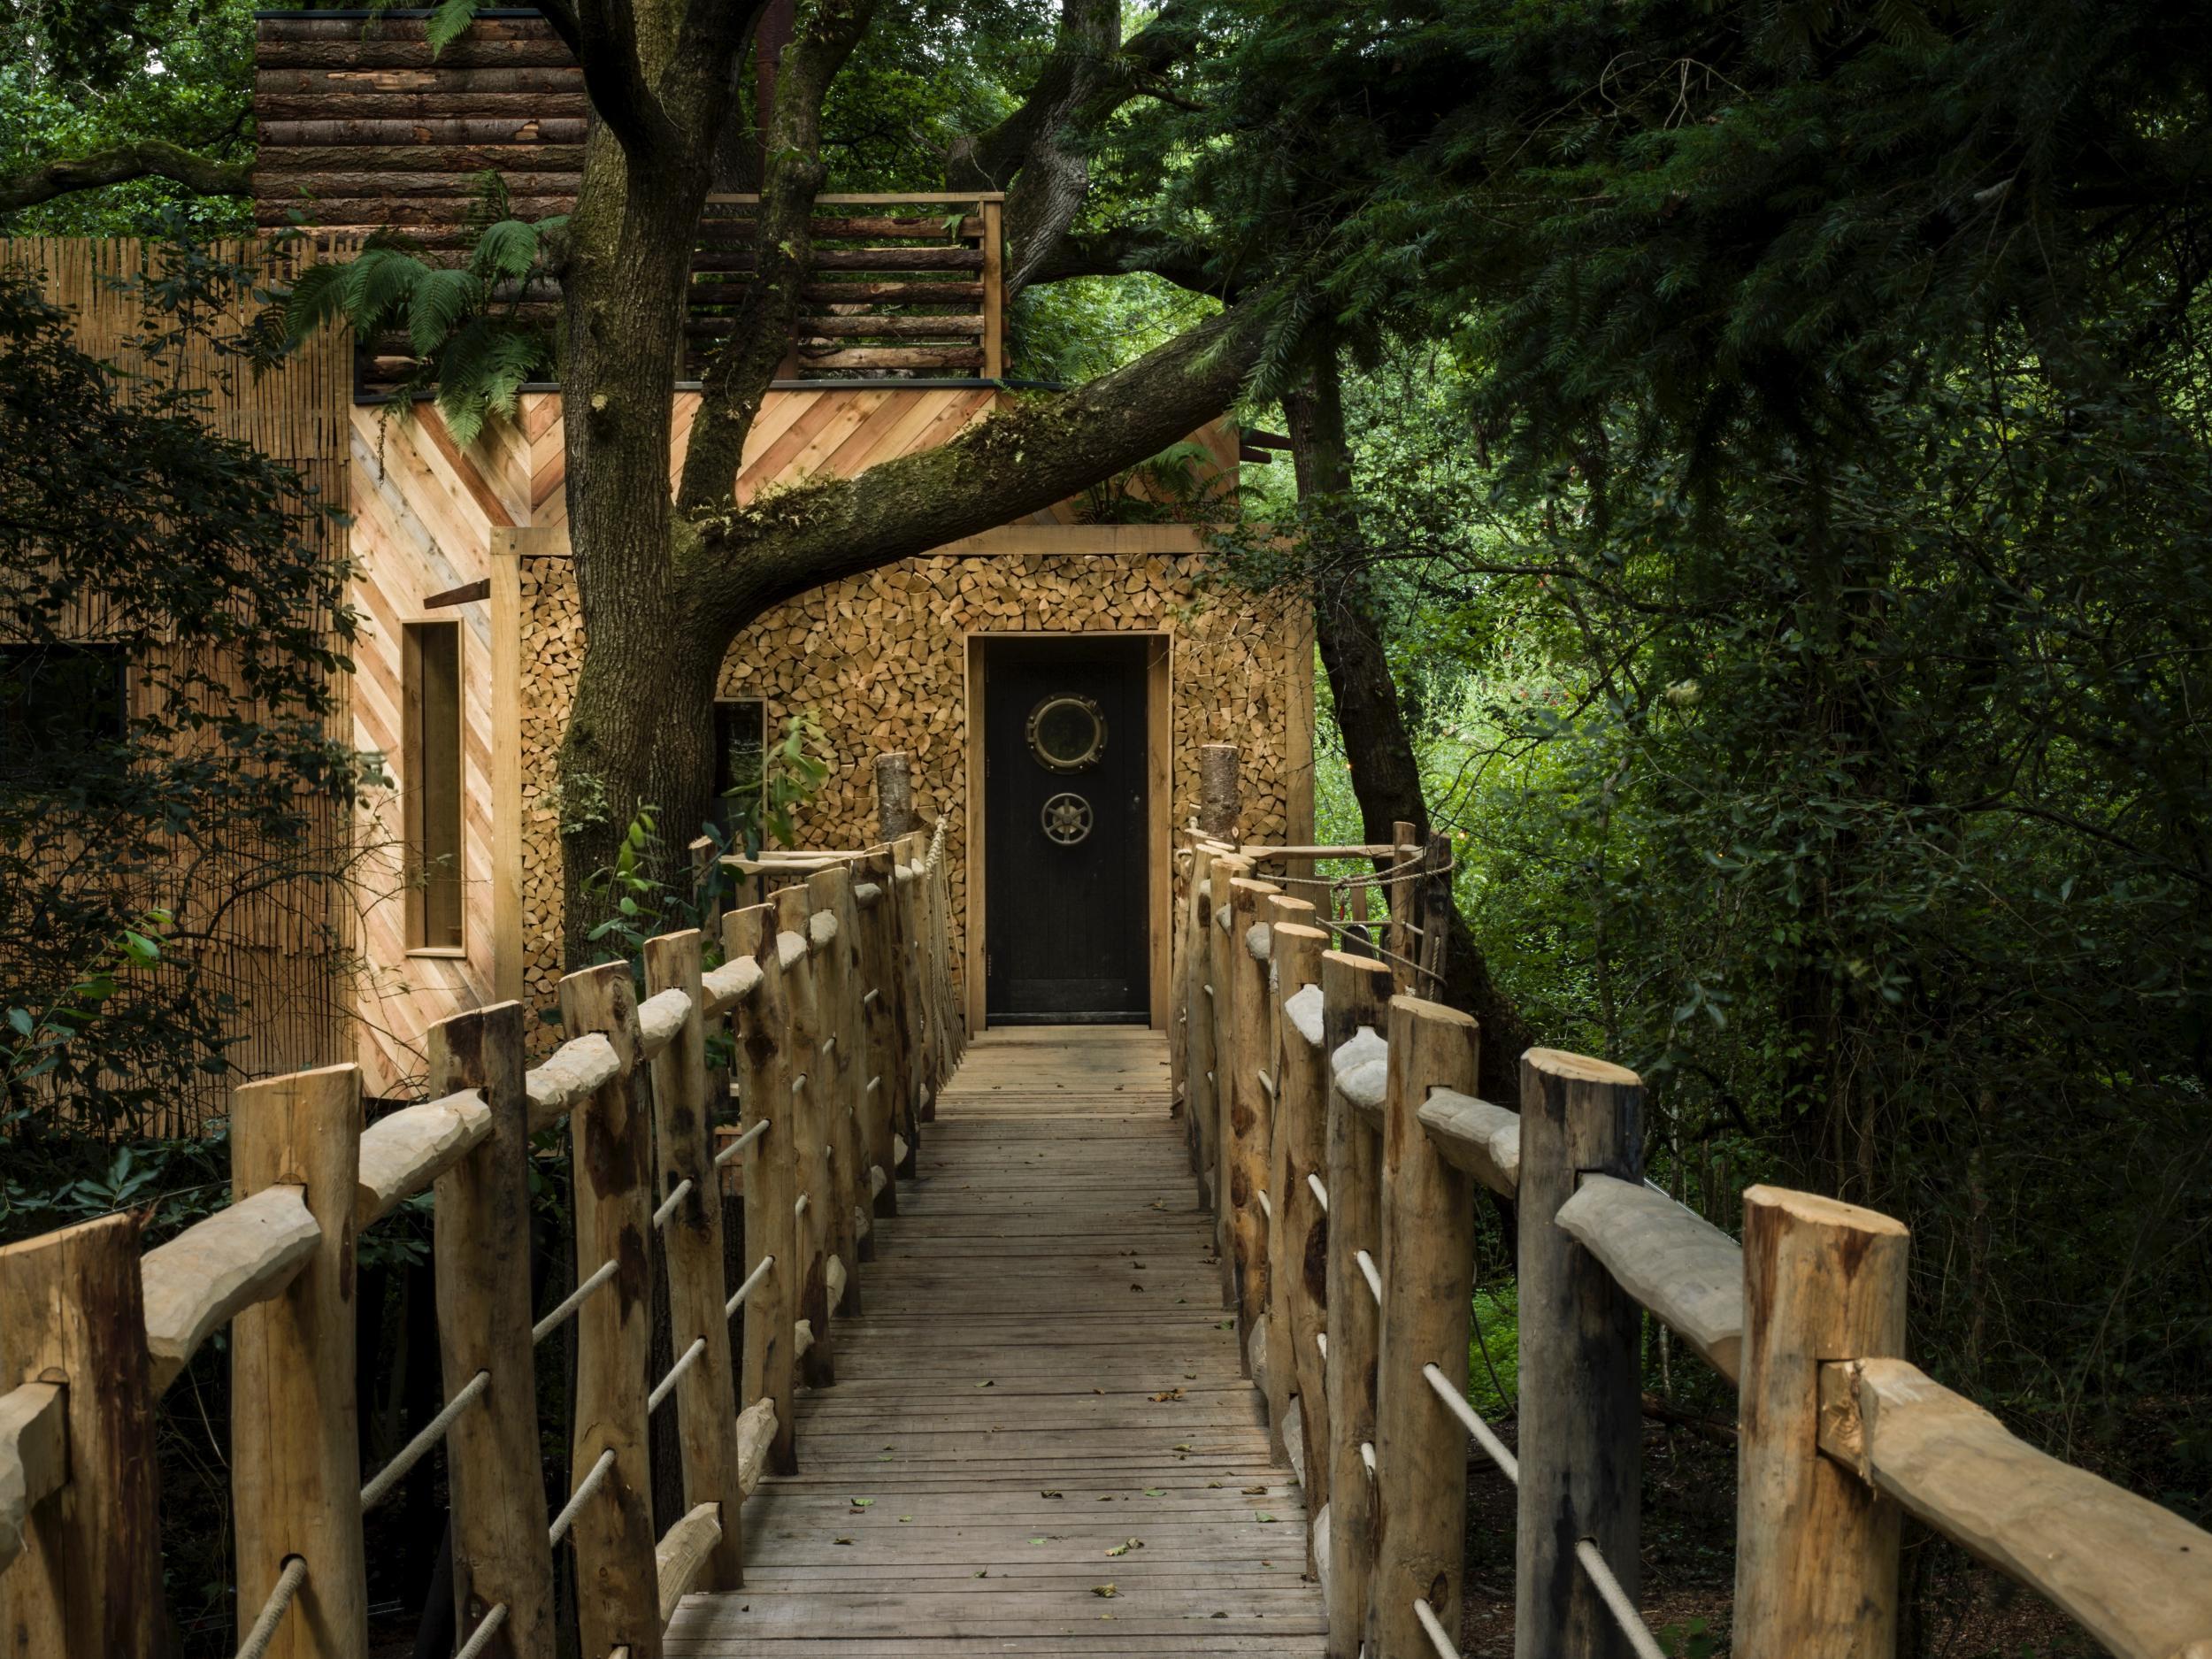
<point x="508" y="249"/>
<point x="379" y="285"/>
<point x="448" y="23"/>
<point x="442" y="301"/>
<point x="317" y="297"/>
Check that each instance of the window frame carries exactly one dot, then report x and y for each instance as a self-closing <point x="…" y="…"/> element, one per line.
<point x="415" y="757"/>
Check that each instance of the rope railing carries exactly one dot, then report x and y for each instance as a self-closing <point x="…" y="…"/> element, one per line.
<point x="1333" y="1118"/>
<point x="750" y="1284"/>
<point x="667" y="1386"/>
<point x="874" y="1022"/>
<point x="1440" y="1640"/>
<point x="574" y="1300"/>
<point x="1618" y="1602"/>
<point x="594" y="1478"/>
<point x="669" y="1205"/>
<point x="493" y="1621"/>
<point x="263" y="1631"/>
<point x="1483" y="1435"/>
<point x="387" y="1478"/>
<point x="736" y="1148"/>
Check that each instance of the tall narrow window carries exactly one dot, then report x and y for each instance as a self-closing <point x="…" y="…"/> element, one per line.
<point x="741" y="737"/>
<point x="430" y="782"/>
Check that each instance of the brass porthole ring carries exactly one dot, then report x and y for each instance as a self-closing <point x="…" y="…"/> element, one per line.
<point x="1066" y="732"/>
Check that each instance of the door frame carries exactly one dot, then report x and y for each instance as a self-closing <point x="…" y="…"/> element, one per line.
<point x="1159" y="807"/>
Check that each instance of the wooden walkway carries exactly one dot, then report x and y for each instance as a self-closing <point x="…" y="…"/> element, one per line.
<point x="1039" y="1442"/>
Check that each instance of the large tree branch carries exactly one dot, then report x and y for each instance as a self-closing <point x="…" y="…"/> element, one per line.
<point x="145" y="158"/>
<point x="602" y="36"/>
<point x="1131" y="250"/>
<point x="739" y="377"/>
<point x="1038" y="155"/>
<point x="1042" y="450"/>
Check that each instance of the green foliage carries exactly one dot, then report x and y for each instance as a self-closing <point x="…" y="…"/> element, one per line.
<point x="1692" y="1639"/>
<point x="462" y="324"/>
<point x="31" y="1045"/>
<point x="1076" y="330"/>
<point x="448" y="21"/>
<point x="1177" y="486"/>
<point x="166" y="750"/>
<point x="768" y="786"/>
<point x="1493" y="1352"/>
<point x="1782" y="487"/>
<point x="79" y="75"/>
<point x="643" y="904"/>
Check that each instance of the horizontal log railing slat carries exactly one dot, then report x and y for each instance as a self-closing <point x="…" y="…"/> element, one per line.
<point x="93" y="1329"/>
<point x="1838" y="1436"/>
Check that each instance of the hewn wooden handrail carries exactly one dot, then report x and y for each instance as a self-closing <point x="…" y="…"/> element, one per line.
<point x="873" y="973"/>
<point x="1838" y="1435"/>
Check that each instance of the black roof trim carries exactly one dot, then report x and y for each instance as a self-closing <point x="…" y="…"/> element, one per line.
<point x="362" y="14"/>
<point x="792" y="386"/>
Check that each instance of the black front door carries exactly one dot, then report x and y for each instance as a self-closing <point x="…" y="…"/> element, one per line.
<point x="1064" y="790"/>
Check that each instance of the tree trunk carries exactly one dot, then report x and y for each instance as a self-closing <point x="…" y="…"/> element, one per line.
<point x="637" y="735"/>
<point x="1386" y="778"/>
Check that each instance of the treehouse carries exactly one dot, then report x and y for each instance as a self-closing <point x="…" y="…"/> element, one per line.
<point x="1050" y="681"/>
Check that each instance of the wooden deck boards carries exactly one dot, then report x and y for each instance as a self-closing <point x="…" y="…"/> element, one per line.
<point x="992" y="1433"/>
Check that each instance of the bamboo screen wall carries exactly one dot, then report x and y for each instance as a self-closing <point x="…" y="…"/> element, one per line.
<point x="282" y="951"/>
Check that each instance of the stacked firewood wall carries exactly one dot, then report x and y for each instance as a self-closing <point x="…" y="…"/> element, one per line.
<point x="879" y="662"/>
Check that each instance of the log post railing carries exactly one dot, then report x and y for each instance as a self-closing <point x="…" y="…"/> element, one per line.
<point x="839" y="989"/>
<point x="1377" y="1144"/>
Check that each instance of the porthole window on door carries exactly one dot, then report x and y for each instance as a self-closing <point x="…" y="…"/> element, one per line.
<point x="1066" y="733"/>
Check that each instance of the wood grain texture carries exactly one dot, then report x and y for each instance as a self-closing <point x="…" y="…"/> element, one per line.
<point x="295" y="1470"/>
<point x="1474" y="1135"/>
<point x="810" y="1129"/>
<point x="1056" y="1182"/>
<point x="34" y="1457"/>
<point x="2136" y="1577"/>
<point x="1221" y="969"/>
<point x="1195" y="942"/>
<point x="705" y="1401"/>
<point x="837" y="965"/>
<point x="1298" y="1229"/>
<point x="1676" y="1263"/>
<point x="480" y="1249"/>
<point x="882" y="1038"/>
<point x="197" y="1283"/>
<point x="1428" y="1273"/>
<point x="1251" y="1111"/>
<point x="1354" y="991"/>
<point x="684" y="1553"/>
<point x="767" y="1370"/>
<point x="1816" y="1548"/>
<point x="87" y="1581"/>
<point x="1580" y="1400"/>
<point x="611" y="1158"/>
<point x="404" y="1152"/>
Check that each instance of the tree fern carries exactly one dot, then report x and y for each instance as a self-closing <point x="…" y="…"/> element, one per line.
<point x="439" y="302"/>
<point x="448" y="22"/>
